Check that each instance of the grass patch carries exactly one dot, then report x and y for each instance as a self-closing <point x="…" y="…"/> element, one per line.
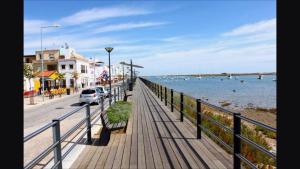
<point x="266" y="132"/>
<point x="119" y="111"/>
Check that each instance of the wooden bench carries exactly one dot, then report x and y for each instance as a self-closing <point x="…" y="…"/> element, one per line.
<point x="112" y="126"/>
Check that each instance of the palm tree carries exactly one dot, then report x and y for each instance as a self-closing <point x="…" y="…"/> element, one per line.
<point x="28" y="73"/>
<point x="75" y="75"/>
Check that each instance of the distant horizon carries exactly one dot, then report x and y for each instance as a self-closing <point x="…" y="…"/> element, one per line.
<point x="244" y="73"/>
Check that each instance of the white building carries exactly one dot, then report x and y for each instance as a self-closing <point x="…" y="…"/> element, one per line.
<point x="74" y="62"/>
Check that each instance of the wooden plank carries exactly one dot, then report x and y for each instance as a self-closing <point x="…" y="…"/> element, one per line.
<point x="95" y="158"/>
<point x="152" y="139"/>
<point x="140" y="144"/>
<point x="127" y="147"/>
<point x="112" y="153"/>
<point x="119" y="153"/>
<point x="134" y="141"/>
<point x="102" y="159"/>
<point x="81" y="156"/>
<point x="87" y="157"/>
<point x="156" y="131"/>
<point x="148" y="151"/>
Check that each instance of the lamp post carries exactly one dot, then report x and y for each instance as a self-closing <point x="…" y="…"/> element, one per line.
<point x="42" y="57"/>
<point x="109" y="49"/>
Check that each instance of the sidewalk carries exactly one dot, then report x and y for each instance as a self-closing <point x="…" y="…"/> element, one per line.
<point x="38" y="100"/>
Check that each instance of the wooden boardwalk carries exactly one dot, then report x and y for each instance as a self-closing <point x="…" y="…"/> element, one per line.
<point x="155" y="138"/>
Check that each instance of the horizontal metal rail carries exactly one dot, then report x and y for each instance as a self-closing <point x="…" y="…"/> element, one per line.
<point x="218" y="108"/>
<point x="258" y="123"/>
<point x="217" y="138"/>
<point x="218" y="123"/>
<point x="41" y="156"/>
<point x="264" y="150"/>
<point x="246" y="161"/>
<point x="38" y="131"/>
<point x="71" y="113"/>
<point x="73" y="129"/>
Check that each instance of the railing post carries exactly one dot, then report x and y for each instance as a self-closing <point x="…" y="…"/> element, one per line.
<point x="115" y="95"/>
<point x="118" y="92"/>
<point x="57" y="148"/>
<point x="158" y="91"/>
<point x="88" y="124"/>
<point x="161" y="98"/>
<point x="198" y="104"/>
<point x="102" y="103"/>
<point x="181" y="106"/>
<point x="166" y="96"/>
<point x="172" y="101"/>
<point x="236" y="140"/>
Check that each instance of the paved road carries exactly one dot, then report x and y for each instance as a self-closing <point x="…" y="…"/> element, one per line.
<point x="38" y="116"/>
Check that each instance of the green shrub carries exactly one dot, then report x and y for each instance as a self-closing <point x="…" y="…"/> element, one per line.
<point x="119" y="111"/>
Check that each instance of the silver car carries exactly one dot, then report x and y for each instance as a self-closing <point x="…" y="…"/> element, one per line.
<point x="103" y="91"/>
<point x="90" y="96"/>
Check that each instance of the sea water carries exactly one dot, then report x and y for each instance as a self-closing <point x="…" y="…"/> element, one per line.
<point x="215" y="89"/>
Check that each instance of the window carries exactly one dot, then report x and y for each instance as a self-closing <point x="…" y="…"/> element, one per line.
<point x="51" y="56"/>
<point x="82" y="69"/>
<point x="71" y="66"/>
<point x="88" y="91"/>
<point x="63" y="67"/>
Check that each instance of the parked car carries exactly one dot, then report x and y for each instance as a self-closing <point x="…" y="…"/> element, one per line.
<point x="92" y="95"/>
<point x="103" y="91"/>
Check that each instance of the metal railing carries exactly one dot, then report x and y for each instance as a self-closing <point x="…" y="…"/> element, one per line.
<point x="56" y="131"/>
<point x="200" y="115"/>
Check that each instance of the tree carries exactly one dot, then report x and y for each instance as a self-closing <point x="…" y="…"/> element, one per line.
<point x="28" y="73"/>
<point x="60" y="77"/>
<point x="75" y="75"/>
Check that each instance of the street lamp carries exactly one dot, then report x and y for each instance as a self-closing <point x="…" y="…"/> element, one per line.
<point x="42" y="57"/>
<point x="109" y="49"/>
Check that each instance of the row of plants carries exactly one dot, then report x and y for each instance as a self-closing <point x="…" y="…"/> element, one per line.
<point x="256" y="135"/>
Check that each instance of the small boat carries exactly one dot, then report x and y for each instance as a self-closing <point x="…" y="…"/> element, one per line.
<point x="229" y="76"/>
<point x="199" y="77"/>
<point x="274" y="80"/>
<point x="260" y="77"/>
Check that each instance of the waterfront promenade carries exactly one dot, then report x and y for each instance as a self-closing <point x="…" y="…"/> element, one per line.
<point x="155" y="138"/>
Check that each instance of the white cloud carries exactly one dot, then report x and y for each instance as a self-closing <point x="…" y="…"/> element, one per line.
<point x="262" y="26"/>
<point x="33" y="26"/>
<point x="101" y="13"/>
<point x="126" y="26"/>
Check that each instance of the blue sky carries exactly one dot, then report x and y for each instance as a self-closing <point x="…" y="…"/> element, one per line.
<point x="166" y="37"/>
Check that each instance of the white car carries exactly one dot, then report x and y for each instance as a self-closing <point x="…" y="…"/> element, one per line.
<point x="92" y="95"/>
<point x="103" y="91"/>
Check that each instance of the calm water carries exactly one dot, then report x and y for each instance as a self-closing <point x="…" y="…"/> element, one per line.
<point x="252" y="91"/>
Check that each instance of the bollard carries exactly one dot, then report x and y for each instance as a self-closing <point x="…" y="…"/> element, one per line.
<point x="181" y="106"/>
<point x="166" y="99"/>
<point x="88" y="124"/>
<point x="198" y="104"/>
<point x="236" y="141"/>
<point x="172" y="100"/>
<point x="115" y="95"/>
<point x="57" y="148"/>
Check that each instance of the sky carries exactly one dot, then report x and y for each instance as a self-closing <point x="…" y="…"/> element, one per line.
<point x="166" y="37"/>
